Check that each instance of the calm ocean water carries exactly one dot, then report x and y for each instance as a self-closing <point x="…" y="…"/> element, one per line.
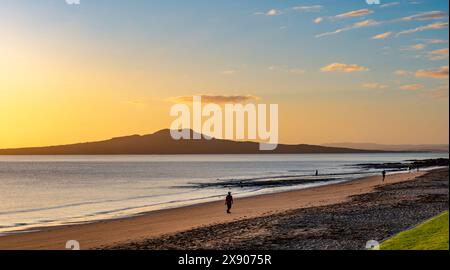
<point x="38" y="191"/>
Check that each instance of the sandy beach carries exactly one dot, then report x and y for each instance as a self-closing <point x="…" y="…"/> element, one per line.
<point x="154" y="224"/>
<point x="386" y="211"/>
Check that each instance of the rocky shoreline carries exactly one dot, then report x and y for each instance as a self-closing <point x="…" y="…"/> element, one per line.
<point x="408" y="164"/>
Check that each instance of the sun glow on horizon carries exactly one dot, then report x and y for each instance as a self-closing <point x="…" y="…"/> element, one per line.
<point x="76" y="74"/>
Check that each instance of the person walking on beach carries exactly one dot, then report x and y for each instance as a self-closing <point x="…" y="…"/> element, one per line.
<point x="384" y="175"/>
<point x="317" y="172"/>
<point x="229" y="202"/>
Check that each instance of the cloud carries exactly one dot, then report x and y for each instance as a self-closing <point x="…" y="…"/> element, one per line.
<point x="439" y="73"/>
<point x="356" y="25"/>
<point x="439" y="54"/>
<point x="343" y="68"/>
<point x="365" y="23"/>
<point x="412" y="87"/>
<point x="424" y="16"/>
<point x="270" y="13"/>
<point x="437" y="57"/>
<point x="443" y="51"/>
<point x="418" y="46"/>
<point x="391" y="4"/>
<point x="218" y="99"/>
<point x="435" y="41"/>
<point x="314" y="8"/>
<point x="382" y="36"/>
<point x="318" y="20"/>
<point x="354" y="13"/>
<point x="375" y="86"/>
<point x="439" y="93"/>
<point x="273" y="12"/>
<point x="402" y="72"/>
<point x="433" y="26"/>
<point x="414" y="47"/>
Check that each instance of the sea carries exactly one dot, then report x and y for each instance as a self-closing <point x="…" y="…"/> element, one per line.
<point x="45" y="191"/>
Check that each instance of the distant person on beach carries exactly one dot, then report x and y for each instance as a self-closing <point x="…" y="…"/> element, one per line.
<point x="317" y="172"/>
<point x="384" y="175"/>
<point x="229" y="202"/>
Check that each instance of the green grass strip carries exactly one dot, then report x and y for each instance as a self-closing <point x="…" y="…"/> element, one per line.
<point x="430" y="235"/>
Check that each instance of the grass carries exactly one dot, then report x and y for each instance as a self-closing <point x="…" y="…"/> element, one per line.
<point x="430" y="235"/>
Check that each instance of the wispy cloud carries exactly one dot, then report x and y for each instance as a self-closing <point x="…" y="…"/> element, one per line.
<point x="432" y="15"/>
<point x="276" y="12"/>
<point x="270" y="13"/>
<point x="273" y="12"/>
<point x="356" y="25"/>
<point x="318" y="20"/>
<point x="350" y="14"/>
<point x="435" y="41"/>
<point x="354" y="13"/>
<point x="439" y="54"/>
<point x="402" y="72"/>
<point x="414" y="47"/>
<point x="439" y="73"/>
<point x="443" y="51"/>
<point x="375" y="86"/>
<point x="218" y="99"/>
<point x="313" y="8"/>
<point x="412" y="87"/>
<point x="439" y="93"/>
<point x="424" y="16"/>
<point x="382" y="36"/>
<point x="347" y="68"/>
<point x="433" y="26"/>
<point x="391" y="4"/>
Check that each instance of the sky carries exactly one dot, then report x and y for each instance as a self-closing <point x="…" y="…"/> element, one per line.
<point x="340" y="71"/>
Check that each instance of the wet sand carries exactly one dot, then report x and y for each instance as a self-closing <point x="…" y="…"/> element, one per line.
<point x="121" y="232"/>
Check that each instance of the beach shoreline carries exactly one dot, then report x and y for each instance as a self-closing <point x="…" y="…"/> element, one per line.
<point x="375" y="216"/>
<point x="169" y="221"/>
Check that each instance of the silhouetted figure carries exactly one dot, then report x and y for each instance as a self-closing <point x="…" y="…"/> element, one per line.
<point x="229" y="202"/>
<point x="317" y="172"/>
<point x="418" y="168"/>
<point x="384" y="175"/>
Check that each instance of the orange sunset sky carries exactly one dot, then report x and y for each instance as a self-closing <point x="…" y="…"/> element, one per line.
<point x="339" y="72"/>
